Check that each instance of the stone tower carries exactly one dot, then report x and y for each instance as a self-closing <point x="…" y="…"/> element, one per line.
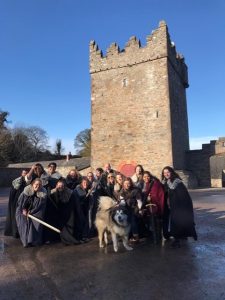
<point x="139" y="111"/>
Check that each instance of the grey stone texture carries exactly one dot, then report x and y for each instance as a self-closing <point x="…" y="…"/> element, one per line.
<point x="138" y="100"/>
<point x="79" y="163"/>
<point x="208" y="163"/>
<point x="217" y="170"/>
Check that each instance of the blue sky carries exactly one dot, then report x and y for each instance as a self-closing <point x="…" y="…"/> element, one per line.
<point x="44" y="58"/>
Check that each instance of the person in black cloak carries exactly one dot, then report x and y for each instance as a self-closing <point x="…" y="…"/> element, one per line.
<point x="53" y="176"/>
<point x="17" y="188"/>
<point x="33" y="201"/>
<point x="63" y="212"/>
<point x="96" y="189"/>
<point x="99" y="183"/>
<point x="82" y="196"/>
<point x="73" y="178"/>
<point x="181" y="214"/>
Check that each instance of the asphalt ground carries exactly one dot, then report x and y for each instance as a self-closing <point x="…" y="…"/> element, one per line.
<point x="194" y="271"/>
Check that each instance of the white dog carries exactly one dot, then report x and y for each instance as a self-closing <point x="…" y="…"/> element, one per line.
<point x="112" y="218"/>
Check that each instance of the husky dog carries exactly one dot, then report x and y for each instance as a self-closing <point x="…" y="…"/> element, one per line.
<point x="114" y="219"/>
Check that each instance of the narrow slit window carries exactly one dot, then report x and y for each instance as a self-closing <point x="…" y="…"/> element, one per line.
<point x="125" y="82"/>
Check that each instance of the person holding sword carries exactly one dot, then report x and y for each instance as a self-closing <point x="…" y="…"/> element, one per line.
<point x="31" y="201"/>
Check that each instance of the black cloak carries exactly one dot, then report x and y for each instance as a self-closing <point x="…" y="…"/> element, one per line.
<point x="63" y="212"/>
<point x="181" y="210"/>
<point x="30" y="231"/>
<point x="17" y="188"/>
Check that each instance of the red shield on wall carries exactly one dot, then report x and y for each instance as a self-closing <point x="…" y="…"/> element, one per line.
<point x="127" y="168"/>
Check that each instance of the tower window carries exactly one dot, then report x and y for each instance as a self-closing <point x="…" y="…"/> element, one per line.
<point x="124" y="82"/>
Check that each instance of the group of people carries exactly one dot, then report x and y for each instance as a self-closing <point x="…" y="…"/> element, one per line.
<point x="156" y="207"/>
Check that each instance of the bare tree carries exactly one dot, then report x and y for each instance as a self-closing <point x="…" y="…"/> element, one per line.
<point x="6" y="147"/>
<point x="58" y="147"/>
<point x="38" y="138"/>
<point x="21" y="143"/>
<point x="23" y="150"/>
<point x="82" y="142"/>
<point x="3" y="119"/>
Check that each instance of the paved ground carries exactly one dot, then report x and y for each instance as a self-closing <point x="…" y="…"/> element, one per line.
<point x="195" y="271"/>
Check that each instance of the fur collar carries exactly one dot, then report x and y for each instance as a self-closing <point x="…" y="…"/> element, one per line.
<point x="28" y="191"/>
<point x="17" y="183"/>
<point x="55" y="175"/>
<point x="164" y="181"/>
<point x="173" y="185"/>
<point x="44" y="178"/>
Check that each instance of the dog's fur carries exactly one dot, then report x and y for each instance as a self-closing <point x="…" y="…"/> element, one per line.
<point x="114" y="219"/>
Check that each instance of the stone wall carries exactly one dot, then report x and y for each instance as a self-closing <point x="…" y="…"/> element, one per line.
<point x="189" y="179"/>
<point x="217" y="170"/>
<point x="198" y="161"/>
<point x="179" y="118"/>
<point x="220" y="145"/>
<point x="208" y="163"/>
<point x="7" y="175"/>
<point x="131" y="103"/>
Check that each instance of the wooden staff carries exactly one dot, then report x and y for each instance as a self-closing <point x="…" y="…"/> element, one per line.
<point x="150" y="205"/>
<point x="43" y="223"/>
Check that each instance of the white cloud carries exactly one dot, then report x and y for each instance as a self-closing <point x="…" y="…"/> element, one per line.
<point x="196" y="143"/>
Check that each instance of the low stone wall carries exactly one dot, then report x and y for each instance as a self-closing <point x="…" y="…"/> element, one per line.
<point x="7" y="175"/>
<point x="65" y="170"/>
<point x="189" y="178"/>
<point x="217" y="169"/>
<point x="198" y="163"/>
<point x="216" y="183"/>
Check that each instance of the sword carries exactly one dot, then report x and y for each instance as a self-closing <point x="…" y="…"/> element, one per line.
<point x="43" y="223"/>
<point x="150" y="205"/>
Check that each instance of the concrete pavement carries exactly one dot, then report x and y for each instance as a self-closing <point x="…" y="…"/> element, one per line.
<point x="195" y="271"/>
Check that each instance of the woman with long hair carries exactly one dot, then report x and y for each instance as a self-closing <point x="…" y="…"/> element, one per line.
<point x="131" y="197"/>
<point x="137" y="178"/>
<point x="153" y="198"/>
<point x="118" y="185"/>
<point x="180" y="207"/>
<point x="73" y="178"/>
<point x="31" y="201"/>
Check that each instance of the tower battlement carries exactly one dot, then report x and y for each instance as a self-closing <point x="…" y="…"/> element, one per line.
<point x="158" y="45"/>
<point x="138" y="103"/>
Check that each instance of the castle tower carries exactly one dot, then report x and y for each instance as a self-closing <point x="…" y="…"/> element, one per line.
<point x="139" y="111"/>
